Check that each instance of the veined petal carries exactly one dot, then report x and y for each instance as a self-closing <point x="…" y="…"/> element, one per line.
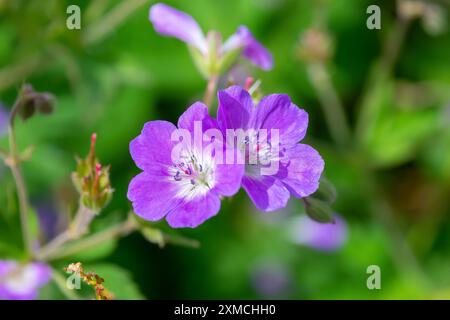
<point x="303" y="171"/>
<point x="194" y="212"/>
<point x="152" y="196"/>
<point x="252" y="49"/>
<point x="266" y="192"/>
<point x="196" y="112"/>
<point x="174" y="23"/>
<point x="276" y="111"/>
<point x="228" y="177"/>
<point x="153" y="146"/>
<point x="235" y="106"/>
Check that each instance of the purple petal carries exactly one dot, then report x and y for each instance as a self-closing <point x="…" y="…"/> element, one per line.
<point x="152" y="196"/>
<point x="272" y="280"/>
<point x="303" y="171"/>
<point x="3" y="120"/>
<point x="235" y="107"/>
<point x="266" y="192"/>
<point x="229" y="176"/>
<point x="21" y="282"/>
<point x="196" y="112"/>
<point x="252" y="49"/>
<point x="153" y="146"/>
<point x="194" y="212"/>
<point x="320" y="236"/>
<point x="174" y="23"/>
<point x="277" y="112"/>
<point x="41" y="273"/>
<point x="6" y="266"/>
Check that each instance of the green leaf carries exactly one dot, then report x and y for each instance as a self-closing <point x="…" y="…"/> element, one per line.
<point x="117" y="280"/>
<point x="397" y="136"/>
<point x="99" y="251"/>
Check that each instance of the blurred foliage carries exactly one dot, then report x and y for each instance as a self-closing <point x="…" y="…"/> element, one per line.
<point x="116" y="73"/>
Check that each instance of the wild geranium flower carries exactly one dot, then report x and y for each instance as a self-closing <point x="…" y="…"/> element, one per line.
<point x="22" y="282"/>
<point x="174" y="23"/>
<point x="271" y="132"/>
<point x="183" y="186"/>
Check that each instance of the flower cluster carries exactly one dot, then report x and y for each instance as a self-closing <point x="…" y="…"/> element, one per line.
<point x="184" y="179"/>
<point x="189" y="168"/>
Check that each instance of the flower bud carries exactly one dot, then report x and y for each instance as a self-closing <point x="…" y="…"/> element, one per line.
<point x="410" y="9"/>
<point x="434" y="19"/>
<point x="318" y="210"/>
<point x="315" y="45"/>
<point x="91" y="180"/>
<point x="31" y="102"/>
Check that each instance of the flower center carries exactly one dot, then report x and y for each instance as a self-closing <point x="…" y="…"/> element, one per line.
<point x="258" y="152"/>
<point x="193" y="176"/>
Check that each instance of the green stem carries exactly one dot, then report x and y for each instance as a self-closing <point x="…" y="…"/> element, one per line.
<point x="381" y="209"/>
<point x="331" y="105"/>
<point x="402" y="254"/>
<point x="14" y="164"/>
<point x="210" y="90"/>
<point x="76" y="229"/>
<point x="111" y="20"/>
<point x="121" y="229"/>
<point x="379" y="73"/>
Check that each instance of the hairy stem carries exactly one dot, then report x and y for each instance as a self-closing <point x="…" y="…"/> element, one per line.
<point x="210" y="90"/>
<point x="14" y="163"/>
<point x="121" y="229"/>
<point x="76" y="229"/>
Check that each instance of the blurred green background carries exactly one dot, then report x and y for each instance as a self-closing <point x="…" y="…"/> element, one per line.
<point x="116" y="73"/>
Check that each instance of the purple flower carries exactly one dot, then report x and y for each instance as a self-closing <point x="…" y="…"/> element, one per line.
<point x="3" y="120"/>
<point x="22" y="282"/>
<point x="271" y="280"/>
<point x="180" y="181"/>
<point x="272" y="131"/>
<point x="320" y="236"/>
<point x="174" y="23"/>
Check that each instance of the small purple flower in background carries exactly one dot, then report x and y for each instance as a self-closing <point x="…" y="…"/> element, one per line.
<point x="4" y="115"/>
<point x="319" y="236"/>
<point x="271" y="280"/>
<point x="51" y="221"/>
<point x="174" y="23"/>
<point x="186" y="190"/>
<point x="3" y="120"/>
<point x="299" y="165"/>
<point x="22" y="282"/>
